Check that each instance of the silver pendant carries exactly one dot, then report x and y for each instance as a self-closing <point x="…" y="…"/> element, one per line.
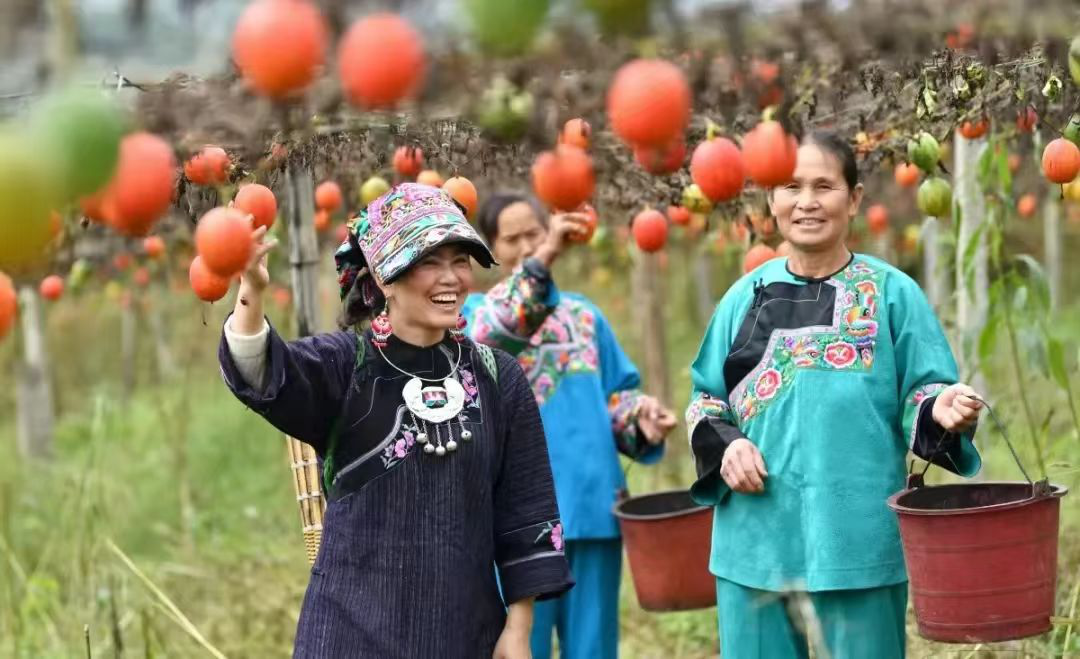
<point x="434" y="404"/>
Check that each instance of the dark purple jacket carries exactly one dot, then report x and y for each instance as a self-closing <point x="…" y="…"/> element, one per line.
<point x="419" y="553"/>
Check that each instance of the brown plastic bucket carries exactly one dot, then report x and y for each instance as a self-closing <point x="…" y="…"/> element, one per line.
<point x="667" y="538"/>
<point x="981" y="557"/>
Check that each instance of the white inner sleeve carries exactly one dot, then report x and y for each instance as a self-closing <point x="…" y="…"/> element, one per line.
<point x="249" y="353"/>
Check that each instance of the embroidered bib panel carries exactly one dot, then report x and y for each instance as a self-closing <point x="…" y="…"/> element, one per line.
<point x="565" y="344"/>
<point x="845" y="343"/>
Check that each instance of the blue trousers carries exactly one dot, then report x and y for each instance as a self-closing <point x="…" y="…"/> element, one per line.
<point x="586" y="617"/>
<point x="850" y="624"/>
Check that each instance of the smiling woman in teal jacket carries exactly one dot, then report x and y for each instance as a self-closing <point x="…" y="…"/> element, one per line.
<point x="590" y="403"/>
<point x="817" y="375"/>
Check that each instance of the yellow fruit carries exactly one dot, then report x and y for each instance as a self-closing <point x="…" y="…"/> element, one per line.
<point x="601" y="277"/>
<point x="695" y="201"/>
<point x="26" y="203"/>
<point x="1072" y="190"/>
<point x="372" y="189"/>
<point x="911" y="238"/>
<point x="113" y="291"/>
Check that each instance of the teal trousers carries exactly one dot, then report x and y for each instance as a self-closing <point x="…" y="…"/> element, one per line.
<point x="839" y="624"/>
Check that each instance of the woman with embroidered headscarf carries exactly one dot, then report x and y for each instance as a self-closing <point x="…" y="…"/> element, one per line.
<point x="441" y="527"/>
<point x="816" y="376"/>
<point x="591" y="404"/>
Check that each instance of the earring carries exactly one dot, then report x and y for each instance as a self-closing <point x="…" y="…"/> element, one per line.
<point x="458" y="332"/>
<point x="381" y="328"/>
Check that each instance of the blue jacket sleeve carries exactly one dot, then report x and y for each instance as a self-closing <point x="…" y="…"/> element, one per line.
<point x="306" y="383"/>
<point x="622" y="386"/>
<point x="507" y="316"/>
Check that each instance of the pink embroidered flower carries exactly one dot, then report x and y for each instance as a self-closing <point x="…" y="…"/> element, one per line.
<point x="483" y="329"/>
<point x="556" y="537"/>
<point x="468" y="384"/>
<point x="768" y="383"/>
<point x="840" y="354"/>
<point x="410" y="439"/>
<point x="560" y="333"/>
<point x="588" y="357"/>
<point x="542" y="386"/>
<point x="867" y="287"/>
<point x="925" y="391"/>
<point x="400" y="449"/>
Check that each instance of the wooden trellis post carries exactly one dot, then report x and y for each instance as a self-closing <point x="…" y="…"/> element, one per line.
<point x="303" y="264"/>
<point x="35" y="413"/>
<point x="933" y="278"/>
<point x="1052" y="240"/>
<point x="650" y="316"/>
<point x="972" y="302"/>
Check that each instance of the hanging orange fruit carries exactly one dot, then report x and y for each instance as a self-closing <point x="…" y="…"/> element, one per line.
<point x="648" y="102"/>
<point x="328" y="196"/>
<point x="279" y="46"/>
<point x="381" y="61"/>
<point x="769" y="154"/>
<point x="650" y="230"/>
<point x="563" y="179"/>
<point x="717" y="168"/>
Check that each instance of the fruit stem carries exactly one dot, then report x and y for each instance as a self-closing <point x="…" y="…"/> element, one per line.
<point x="711" y="129"/>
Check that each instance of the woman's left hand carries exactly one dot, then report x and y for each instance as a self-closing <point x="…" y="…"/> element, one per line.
<point x="655" y="420"/>
<point x="513" y="644"/>
<point x="957" y="408"/>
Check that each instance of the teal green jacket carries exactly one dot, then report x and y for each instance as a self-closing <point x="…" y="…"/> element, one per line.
<point x="833" y="379"/>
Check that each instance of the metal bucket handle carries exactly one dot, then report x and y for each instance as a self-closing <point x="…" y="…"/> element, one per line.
<point x="623" y="493"/>
<point x="1038" y="488"/>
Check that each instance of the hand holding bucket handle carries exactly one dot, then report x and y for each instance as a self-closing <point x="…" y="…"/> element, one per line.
<point x="956" y="408"/>
<point x="1038" y="489"/>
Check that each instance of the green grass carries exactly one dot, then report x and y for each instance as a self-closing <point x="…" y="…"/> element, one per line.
<point x="195" y="489"/>
<point x="239" y="571"/>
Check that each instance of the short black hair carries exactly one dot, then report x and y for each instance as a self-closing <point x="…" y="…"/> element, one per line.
<point x="487" y="217"/>
<point x="840" y="148"/>
<point x="362" y="303"/>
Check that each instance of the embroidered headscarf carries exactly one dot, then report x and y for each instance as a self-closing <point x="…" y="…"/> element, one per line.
<point x="399" y="228"/>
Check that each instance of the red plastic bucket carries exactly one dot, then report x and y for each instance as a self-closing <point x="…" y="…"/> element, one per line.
<point x="667" y="538"/>
<point x="981" y="557"/>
